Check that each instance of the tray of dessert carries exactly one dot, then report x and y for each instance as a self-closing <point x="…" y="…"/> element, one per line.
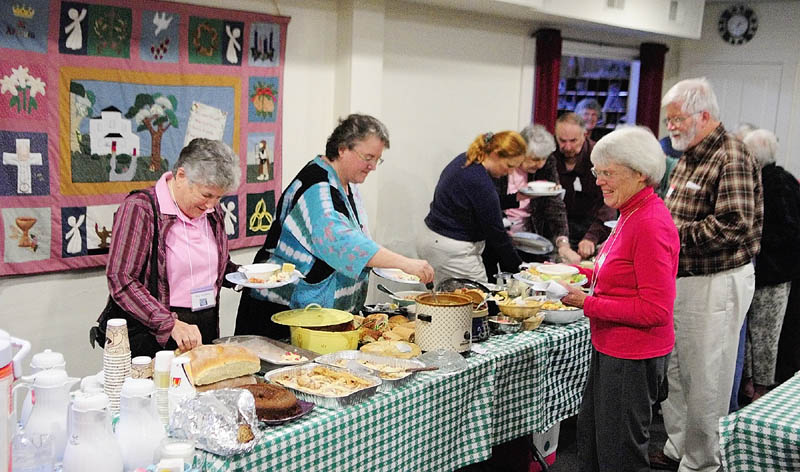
<point x="324" y="385"/>
<point x="392" y="371"/>
<point x="270" y="350"/>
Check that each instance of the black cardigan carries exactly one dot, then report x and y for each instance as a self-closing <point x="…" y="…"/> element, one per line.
<point x="779" y="259"/>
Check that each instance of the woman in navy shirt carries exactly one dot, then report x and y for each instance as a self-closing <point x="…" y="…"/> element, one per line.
<point x="465" y="214"/>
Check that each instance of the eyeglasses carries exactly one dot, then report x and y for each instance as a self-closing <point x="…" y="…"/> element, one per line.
<point x="369" y="160"/>
<point x="678" y="120"/>
<point x="606" y="174"/>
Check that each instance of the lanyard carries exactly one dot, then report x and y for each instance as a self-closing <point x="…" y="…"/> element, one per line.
<point x="601" y="258"/>
<point x="188" y="242"/>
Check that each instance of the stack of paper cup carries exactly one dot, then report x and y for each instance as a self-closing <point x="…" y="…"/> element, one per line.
<point x="116" y="360"/>
<point x="141" y="367"/>
<point x="161" y="369"/>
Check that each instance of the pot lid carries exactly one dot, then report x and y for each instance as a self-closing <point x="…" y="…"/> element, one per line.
<point x="312" y="316"/>
<point x="47" y="359"/>
<point x="137" y="388"/>
<point x="90" y="401"/>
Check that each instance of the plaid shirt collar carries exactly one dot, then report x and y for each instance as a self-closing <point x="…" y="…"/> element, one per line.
<point x="707" y="146"/>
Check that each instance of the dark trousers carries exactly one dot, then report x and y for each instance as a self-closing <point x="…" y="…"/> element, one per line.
<point x="616" y="412"/>
<point x="255" y="317"/>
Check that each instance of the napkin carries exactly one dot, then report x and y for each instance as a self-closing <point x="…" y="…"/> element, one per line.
<point x="555" y="291"/>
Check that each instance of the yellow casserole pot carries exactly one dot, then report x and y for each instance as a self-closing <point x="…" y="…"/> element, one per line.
<point x="313" y="316"/>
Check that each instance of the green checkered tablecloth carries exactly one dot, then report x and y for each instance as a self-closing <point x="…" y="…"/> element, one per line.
<point x="525" y="383"/>
<point x="765" y="435"/>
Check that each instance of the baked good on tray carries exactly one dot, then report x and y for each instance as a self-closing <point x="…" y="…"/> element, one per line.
<point x="273" y="402"/>
<point x="214" y="362"/>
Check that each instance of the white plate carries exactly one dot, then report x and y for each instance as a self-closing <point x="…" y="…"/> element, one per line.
<point x="532" y="243"/>
<point x="537" y="284"/>
<point x="395" y="275"/>
<point x="562" y="316"/>
<point x="611" y="224"/>
<point x="532" y="193"/>
<point x="239" y="278"/>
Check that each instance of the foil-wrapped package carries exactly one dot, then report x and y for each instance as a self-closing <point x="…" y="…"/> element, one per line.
<point x="222" y="422"/>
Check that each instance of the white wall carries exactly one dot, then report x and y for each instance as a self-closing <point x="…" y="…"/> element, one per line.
<point x="775" y="43"/>
<point x="446" y="76"/>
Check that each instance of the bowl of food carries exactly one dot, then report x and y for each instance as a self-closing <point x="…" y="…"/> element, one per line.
<point x="259" y="273"/>
<point x="543" y="186"/>
<point x="529" y="324"/>
<point x="504" y="325"/>
<point x="520" y="308"/>
<point x="557" y="313"/>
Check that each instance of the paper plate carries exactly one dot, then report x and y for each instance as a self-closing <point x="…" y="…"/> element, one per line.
<point x="305" y="408"/>
<point x="396" y="275"/>
<point x="239" y="278"/>
<point x="533" y="193"/>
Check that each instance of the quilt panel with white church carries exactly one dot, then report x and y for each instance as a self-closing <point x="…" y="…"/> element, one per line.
<point x="97" y="98"/>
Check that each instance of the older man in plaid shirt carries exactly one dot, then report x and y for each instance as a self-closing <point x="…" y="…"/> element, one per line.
<point x="716" y="200"/>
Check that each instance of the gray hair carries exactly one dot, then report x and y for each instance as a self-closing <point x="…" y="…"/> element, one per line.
<point x="572" y="118"/>
<point x="588" y="103"/>
<point x="634" y="147"/>
<point x="694" y="95"/>
<point x="540" y="142"/>
<point x="209" y="162"/>
<point x="353" y="129"/>
<point x="763" y="144"/>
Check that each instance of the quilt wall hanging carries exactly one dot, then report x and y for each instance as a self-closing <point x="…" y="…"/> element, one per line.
<point x="97" y="98"/>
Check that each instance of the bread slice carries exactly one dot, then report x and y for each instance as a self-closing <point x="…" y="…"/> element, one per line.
<point x="214" y="362"/>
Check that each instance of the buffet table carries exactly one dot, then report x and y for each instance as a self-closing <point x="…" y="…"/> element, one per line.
<point x="524" y="383"/>
<point x="764" y="435"/>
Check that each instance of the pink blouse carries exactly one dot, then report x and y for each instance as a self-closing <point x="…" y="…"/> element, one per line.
<point x="192" y="256"/>
<point x="630" y="313"/>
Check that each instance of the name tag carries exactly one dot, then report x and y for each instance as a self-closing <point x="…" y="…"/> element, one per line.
<point x="692" y="186"/>
<point x="203" y="298"/>
<point x="577" y="185"/>
<point x="669" y="192"/>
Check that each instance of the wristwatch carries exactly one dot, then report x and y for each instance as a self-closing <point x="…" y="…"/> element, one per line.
<point x="561" y="239"/>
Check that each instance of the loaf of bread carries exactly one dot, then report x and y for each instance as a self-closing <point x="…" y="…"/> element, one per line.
<point x="228" y="383"/>
<point x="214" y="362"/>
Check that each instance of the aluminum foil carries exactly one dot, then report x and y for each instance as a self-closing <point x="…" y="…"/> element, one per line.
<point x="323" y="401"/>
<point x="213" y="420"/>
<point x="357" y="368"/>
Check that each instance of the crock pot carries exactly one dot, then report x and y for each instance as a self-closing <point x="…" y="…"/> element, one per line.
<point x="307" y="328"/>
<point x="444" y="321"/>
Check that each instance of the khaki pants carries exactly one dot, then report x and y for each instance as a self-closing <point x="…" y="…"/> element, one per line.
<point x="451" y="258"/>
<point x="709" y="312"/>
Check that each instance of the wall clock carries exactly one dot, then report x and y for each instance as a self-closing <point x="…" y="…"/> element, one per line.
<point x="737" y="24"/>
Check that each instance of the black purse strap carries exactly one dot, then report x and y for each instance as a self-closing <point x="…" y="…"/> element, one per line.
<point x="152" y="284"/>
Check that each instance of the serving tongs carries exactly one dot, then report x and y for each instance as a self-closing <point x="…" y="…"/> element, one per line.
<point x="391" y="294"/>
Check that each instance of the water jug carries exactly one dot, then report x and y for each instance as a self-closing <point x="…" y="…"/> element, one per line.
<point x="139" y="431"/>
<point x="92" y="445"/>
<point x="49" y="414"/>
<point x="10" y="370"/>
<point x="44" y="360"/>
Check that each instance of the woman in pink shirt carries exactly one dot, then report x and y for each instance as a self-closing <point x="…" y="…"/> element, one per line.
<point x="174" y="304"/>
<point x="629" y="306"/>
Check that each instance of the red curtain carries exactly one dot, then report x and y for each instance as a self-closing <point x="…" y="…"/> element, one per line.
<point x="548" y="70"/>
<point x="651" y="77"/>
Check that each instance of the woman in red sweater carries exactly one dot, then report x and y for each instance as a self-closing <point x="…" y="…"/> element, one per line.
<point x="629" y="306"/>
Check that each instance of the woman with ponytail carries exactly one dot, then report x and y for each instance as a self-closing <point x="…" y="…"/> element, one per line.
<point x="465" y="214"/>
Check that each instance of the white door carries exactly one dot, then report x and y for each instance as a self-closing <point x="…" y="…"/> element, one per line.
<point x="746" y="92"/>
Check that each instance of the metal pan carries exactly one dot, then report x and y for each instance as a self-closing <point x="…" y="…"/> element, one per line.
<point x="326" y="401"/>
<point x="387" y="384"/>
